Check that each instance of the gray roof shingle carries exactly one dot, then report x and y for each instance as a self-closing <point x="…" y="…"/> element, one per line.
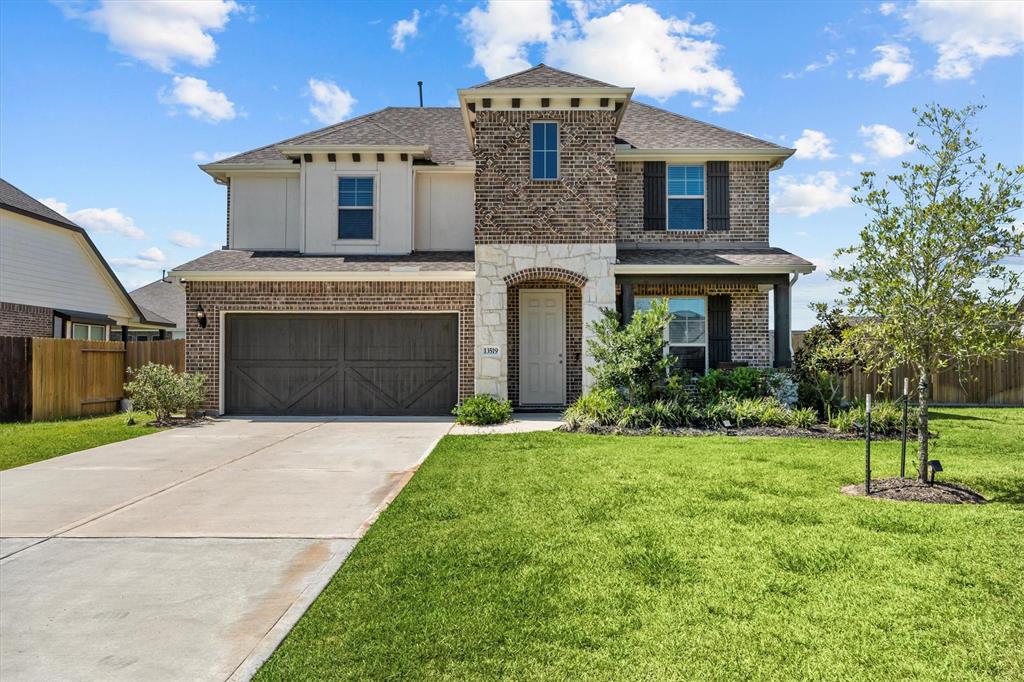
<point x="234" y="260"/>
<point x="749" y="256"/>
<point x="543" y="76"/>
<point x="12" y="197"/>
<point x="165" y="299"/>
<point x="647" y="127"/>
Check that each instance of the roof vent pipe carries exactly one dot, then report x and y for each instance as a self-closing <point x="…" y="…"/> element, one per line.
<point x="419" y="84"/>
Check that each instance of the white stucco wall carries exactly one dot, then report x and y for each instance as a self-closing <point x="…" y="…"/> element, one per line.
<point x="265" y="212"/>
<point x="52" y="267"/>
<point x="496" y="261"/>
<point x="444" y="211"/>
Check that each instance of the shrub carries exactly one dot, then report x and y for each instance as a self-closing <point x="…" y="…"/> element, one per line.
<point x="635" y="417"/>
<point x="782" y="387"/>
<point x="760" y="412"/>
<point x="716" y="413"/>
<point x="631" y="359"/>
<point x="600" y="407"/>
<point x="161" y="390"/>
<point x="826" y="354"/>
<point x="483" y="410"/>
<point x="747" y="383"/>
<point x="803" y="417"/>
<point x="713" y="386"/>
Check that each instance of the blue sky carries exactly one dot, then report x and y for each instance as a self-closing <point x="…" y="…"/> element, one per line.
<point x="106" y="108"/>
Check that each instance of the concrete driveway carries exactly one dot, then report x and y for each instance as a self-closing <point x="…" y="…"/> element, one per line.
<point x="188" y="554"/>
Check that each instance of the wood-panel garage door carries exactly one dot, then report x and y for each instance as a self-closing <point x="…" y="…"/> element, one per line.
<point x="330" y="364"/>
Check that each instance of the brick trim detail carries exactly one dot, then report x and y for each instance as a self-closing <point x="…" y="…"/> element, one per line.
<point x="202" y="345"/>
<point x="546" y="273"/>
<point x="18" y="319"/>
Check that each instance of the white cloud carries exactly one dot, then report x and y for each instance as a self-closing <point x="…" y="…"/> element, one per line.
<point x="153" y="254"/>
<point x="161" y="33"/>
<point x="967" y="34"/>
<point x="885" y="142"/>
<point x="149" y="259"/>
<point x="814" y="144"/>
<point x="887" y="8"/>
<point x="330" y="103"/>
<point x="829" y="60"/>
<point x="200" y="101"/>
<point x="893" y="64"/>
<point x="403" y="29"/>
<point x="810" y="194"/>
<point x="209" y="157"/>
<point x="857" y="158"/>
<point x="660" y="56"/>
<point x="187" y="240"/>
<point x="501" y="33"/>
<point x="97" y="220"/>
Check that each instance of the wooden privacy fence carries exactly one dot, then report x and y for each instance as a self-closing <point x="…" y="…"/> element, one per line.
<point x="43" y="379"/>
<point x="997" y="381"/>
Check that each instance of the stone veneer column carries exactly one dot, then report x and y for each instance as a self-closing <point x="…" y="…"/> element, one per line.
<point x="494" y="262"/>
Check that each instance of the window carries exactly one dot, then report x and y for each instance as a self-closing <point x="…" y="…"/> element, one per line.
<point x="355" y="208"/>
<point x="687" y="331"/>
<point x="88" y="332"/>
<point x="545" y="151"/>
<point x="686" y="198"/>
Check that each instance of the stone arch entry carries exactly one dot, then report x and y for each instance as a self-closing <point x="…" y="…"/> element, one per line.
<point x="548" y="278"/>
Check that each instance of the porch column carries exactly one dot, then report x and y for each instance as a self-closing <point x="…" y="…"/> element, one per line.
<point x="783" y="356"/>
<point x="627" y="302"/>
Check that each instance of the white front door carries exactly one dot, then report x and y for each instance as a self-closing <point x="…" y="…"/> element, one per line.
<point x="541" y="346"/>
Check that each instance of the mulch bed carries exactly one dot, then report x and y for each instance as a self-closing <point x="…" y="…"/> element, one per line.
<point x="912" y="490"/>
<point x="765" y="431"/>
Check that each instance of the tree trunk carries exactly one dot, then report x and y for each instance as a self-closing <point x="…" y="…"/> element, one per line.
<point x="922" y="427"/>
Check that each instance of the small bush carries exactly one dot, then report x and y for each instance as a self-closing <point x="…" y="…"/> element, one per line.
<point x="600" y="407"/>
<point x="783" y="388"/>
<point x="803" y="417"/>
<point x="483" y="410"/>
<point x="760" y="412"/>
<point x="713" y="386"/>
<point x="161" y="390"/>
<point x="843" y="420"/>
<point x="747" y="383"/>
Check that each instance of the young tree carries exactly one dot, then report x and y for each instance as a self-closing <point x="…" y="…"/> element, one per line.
<point x="929" y="273"/>
<point x="631" y="359"/>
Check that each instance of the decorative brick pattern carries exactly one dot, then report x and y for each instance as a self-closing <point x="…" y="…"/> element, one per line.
<point x="749" y="316"/>
<point x="578" y="207"/>
<point x="17" y="319"/>
<point x="748" y="207"/>
<point x="553" y="274"/>
<point x="202" y="346"/>
<point x="573" y="335"/>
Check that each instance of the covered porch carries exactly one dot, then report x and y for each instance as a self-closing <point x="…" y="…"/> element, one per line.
<point x="719" y="299"/>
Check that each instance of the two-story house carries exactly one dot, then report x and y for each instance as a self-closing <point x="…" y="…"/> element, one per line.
<point x="399" y="261"/>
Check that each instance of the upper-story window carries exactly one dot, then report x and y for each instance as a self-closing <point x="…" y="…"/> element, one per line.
<point x="545" y="151"/>
<point x="686" y="198"/>
<point x="355" y="208"/>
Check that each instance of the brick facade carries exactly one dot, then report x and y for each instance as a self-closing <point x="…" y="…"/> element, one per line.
<point x="573" y="336"/>
<point x="17" y="319"/>
<point x="749" y="316"/>
<point x="203" y="344"/>
<point x="579" y="207"/>
<point x="748" y="207"/>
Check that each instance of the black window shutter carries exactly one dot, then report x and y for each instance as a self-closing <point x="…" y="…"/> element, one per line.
<point x="719" y="330"/>
<point x="654" y="195"/>
<point x="718" y="195"/>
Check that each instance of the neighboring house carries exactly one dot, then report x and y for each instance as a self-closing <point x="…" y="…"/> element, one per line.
<point x="164" y="298"/>
<point x="53" y="280"/>
<point x="402" y="260"/>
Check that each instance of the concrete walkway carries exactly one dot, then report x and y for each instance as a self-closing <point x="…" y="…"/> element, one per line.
<point x="190" y="553"/>
<point x="522" y="422"/>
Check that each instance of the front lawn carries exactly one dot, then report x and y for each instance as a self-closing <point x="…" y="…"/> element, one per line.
<point x="24" y="443"/>
<point x="571" y="556"/>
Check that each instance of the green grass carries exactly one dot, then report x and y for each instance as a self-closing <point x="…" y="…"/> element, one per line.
<point x="570" y="556"/>
<point x="24" y="443"/>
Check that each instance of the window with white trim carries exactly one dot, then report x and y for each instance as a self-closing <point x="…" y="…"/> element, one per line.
<point x="544" y="163"/>
<point x="685" y="198"/>
<point x="687" y="331"/>
<point x="88" y="332"/>
<point x="355" y="208"/>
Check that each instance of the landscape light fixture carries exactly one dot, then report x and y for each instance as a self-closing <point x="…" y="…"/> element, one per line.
<point x="935" y="466"/>
<point x="201" y="316"/>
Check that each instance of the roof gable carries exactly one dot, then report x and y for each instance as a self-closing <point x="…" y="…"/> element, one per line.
<point x="543" y="76"/>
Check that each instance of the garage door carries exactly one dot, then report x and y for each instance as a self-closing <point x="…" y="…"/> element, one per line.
<point x="358" y="364"/>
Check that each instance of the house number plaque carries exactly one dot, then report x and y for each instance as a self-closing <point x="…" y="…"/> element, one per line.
<point x="490" y="351"/>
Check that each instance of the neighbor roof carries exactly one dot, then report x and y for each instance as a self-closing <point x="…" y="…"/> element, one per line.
<point x="543" y="76"/>
<point x="742" y="256"/>
<point x="438" y="127"/>
<point x="164" y="299"/>
<point x="235" y="260"/>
